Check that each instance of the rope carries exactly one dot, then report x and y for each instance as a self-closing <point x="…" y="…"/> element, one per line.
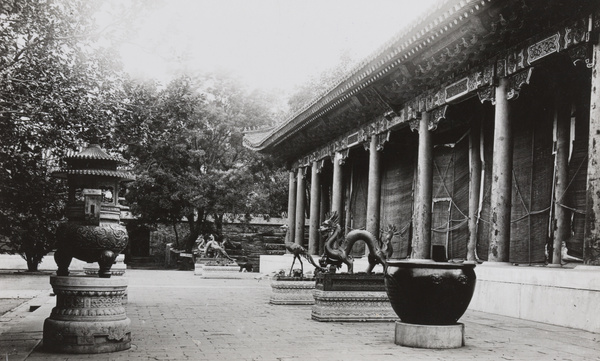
<point x="574" y="210"/>
<point x="573" y="178"/>
<point x="448" y="228"/>
<point x="443" y="177"/>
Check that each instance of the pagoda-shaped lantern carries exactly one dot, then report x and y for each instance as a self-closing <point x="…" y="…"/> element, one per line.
<point x="93" y="232"/>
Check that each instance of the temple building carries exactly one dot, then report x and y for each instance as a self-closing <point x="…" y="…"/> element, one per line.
<point x="474" y="131"/>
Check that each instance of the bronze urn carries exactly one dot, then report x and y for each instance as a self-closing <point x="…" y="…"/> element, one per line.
<point x="93" y="232"/>
<point x="426" y="292"/>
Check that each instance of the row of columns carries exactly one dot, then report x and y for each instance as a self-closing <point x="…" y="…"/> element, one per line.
<point x="297" y="190"/>
<point x="501" y="187"/>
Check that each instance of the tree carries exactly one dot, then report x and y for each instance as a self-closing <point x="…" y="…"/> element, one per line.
<point x="58" y="89"/>
<point x="190" y="156"/>
<point x="317" y="85"/>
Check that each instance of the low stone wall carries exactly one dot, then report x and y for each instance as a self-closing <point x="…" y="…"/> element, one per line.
<point x="558" y="296"/>
<point x="16" y="262"/>
<point x="254" y="239"/>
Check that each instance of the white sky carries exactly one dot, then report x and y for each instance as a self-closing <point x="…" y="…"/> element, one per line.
<point x="271" y="44"/>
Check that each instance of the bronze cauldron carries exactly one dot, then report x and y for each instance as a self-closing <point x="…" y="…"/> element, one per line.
<point x="429" y="293"/>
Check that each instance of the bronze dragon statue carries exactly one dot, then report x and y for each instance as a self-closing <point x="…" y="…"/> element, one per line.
<point x="335" y="254"/>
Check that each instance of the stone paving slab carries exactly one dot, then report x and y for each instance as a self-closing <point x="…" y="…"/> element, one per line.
<point x="177" y="316"/>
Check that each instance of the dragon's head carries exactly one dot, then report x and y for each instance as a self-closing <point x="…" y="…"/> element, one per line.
<point x="330" y="223"/>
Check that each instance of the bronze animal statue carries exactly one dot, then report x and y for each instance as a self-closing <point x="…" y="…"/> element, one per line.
<point x="386" y="240"/>
<point x="298" y="251"/>
<point x="332" y="260"/>
<point x="336" y="255"/>
<point x="213" y="248"/>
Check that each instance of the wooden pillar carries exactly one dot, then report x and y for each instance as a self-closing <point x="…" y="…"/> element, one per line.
<point x="291" y="208"/>
<point x="562" y="114"/>
<point x="325" y="204"/>
<point x="374" y="188"/>
<point x="300" y="207"/>
<point x="502" y="162"/>
<point x="591" y="243"/>
<point x="474" y="187"/>
<point x="337" y="204"/>
<point x="315" y="207"/>
<point x="423" y="195"/>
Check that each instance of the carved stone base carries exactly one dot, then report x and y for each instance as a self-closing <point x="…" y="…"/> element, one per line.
<point x="118" y="269"/>
<point x="292" y="292"/>
<point x="89" y="316"/>
<point x="199" y="265"/>
<point x="351" y="297"/>
<point x="430" y="336"/>
<point x="232" y="272"/>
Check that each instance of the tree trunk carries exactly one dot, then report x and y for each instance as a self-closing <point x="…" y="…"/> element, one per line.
<point x="193" y="233"/>
<point x="32" y="262"/>
<point x="176" y="235"/>
<point x="219" y="224"/>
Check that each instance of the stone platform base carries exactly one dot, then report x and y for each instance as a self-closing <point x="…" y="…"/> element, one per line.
<point x="430" y="336"/>
<point x="89" y="316"/>
<point x="352" y="306"/>
<point x="230" y="272"/>
<point x="352" y="298"/>
<point x="292" y="292"/>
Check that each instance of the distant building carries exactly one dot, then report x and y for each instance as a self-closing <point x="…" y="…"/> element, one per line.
<point x="474" y="131"/>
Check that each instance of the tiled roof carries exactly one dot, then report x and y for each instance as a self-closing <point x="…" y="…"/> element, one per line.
<point x="93" y="151"/>
<point x="94" y="172"/>
<point x="408" y="40"/>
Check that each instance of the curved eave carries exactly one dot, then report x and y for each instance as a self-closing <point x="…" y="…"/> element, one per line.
<point x="94" y="152"/>
<point x="121" y="176"/>
<point x="407" y="44"/>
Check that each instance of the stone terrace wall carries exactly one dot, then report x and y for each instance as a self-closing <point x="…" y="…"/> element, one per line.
<point x="259" y="237"/>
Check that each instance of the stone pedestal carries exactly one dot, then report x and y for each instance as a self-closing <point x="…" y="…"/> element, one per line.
<point x="227" y="271"/>
<point x="351" y="297"/>
<point x="290" y="291"/>
<point x="89" y="316"/>
<point x="430" y="336"/>
<point x="118" y="269"/>
<point x="199" y="265"/>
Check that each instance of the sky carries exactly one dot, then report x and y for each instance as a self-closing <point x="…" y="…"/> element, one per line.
<point x="269" y="44"/>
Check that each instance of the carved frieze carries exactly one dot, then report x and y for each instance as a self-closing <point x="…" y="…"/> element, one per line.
<point x="382" y="139"/>
<point x="582" y="54"/>
<point x="516" y="82"/>
<point x="436" y="116"/>
<point x="501" y="68"/>
<point x="487" y="94"/>
<point x="576" y="33"/>
<point x="344" y="155"/>
<point x="457" y="90"/>
<point x="543" y="48"/>
<point x="515" y="61"/>
<point x="414" y="124"/>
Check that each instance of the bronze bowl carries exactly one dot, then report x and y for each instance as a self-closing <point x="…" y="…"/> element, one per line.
<point x="425" y="292"/>
<point x="89" y="243"/>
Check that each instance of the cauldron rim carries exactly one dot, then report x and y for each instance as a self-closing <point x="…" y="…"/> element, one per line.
<point x="427" y="263"/>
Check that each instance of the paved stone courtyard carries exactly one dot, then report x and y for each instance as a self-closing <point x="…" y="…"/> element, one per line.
<point x="178" y="316"/>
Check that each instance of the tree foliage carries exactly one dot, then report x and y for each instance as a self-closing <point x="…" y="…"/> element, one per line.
<point x="189" y="156"/>
<point x="58" y="89"/>
<point x="317" y="85"/>
<point x="61" y="87"/>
